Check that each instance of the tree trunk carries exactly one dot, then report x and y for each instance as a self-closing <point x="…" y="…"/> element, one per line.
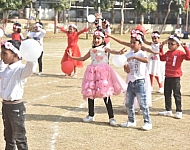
<point x="186" y="26"/>
<point x="142" y="19"/>
<point x="112" y="15"/>
<point x="55" y="20"/>
<point x="122" y="18"/>
<point x="168" y="11"/>
<point x="5" y="17"/>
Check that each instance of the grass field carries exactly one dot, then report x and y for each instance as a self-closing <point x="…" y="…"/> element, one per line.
<point x="55" y="109"/>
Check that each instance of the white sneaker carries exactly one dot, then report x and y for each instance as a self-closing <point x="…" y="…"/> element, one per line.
<point x="178" y="115"/>
<point x="88" y="119"/>
<point x="147" y="126"/>
<point x="112" y="122"/>
<point x="128" y="124"/>
<point x="39" y="73"/>
<point x="165" y="113"/>
<point x="161" y="90"/>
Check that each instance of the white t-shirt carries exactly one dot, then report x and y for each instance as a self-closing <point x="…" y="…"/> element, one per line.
<point x="137" y="68"/>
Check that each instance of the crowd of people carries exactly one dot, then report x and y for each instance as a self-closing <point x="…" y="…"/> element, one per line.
<point x="100" y="80"/>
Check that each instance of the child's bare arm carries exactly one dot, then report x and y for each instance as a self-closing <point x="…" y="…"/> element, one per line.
<point x="122" y="51"/>
<point x="85" y="57"/>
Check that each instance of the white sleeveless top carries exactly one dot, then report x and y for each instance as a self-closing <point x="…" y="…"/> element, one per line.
<point x="98" y="55"/>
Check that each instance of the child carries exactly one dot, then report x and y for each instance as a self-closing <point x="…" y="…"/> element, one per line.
<point x="37" y="33"/>
<point x="147" y="79"/>
<point x="13" y="77"/>
<point x="16" y="35"/>
<point x="155" y="66"/>
<point x="100" y="80"/>
<point x="173" y="72"/>
<point x="137" y="60"/>
<point x="73" y="36"/>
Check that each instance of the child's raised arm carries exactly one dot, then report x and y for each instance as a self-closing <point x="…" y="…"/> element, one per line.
<point x="85" y="57"/>
<point x="142" y="59"/>
<point x="147" y="42"/>
<point x="84" y="30"/>
<point x="119" y="41"/>
<point x="62" y="29"/>
<point x="122" y="51"/>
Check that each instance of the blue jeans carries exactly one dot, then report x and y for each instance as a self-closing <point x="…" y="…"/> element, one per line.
<point x="137" y="89"/>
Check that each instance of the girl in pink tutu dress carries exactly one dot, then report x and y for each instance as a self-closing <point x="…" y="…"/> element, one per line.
<point x="100" y="80"/>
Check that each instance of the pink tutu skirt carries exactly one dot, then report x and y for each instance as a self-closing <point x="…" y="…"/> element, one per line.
<point x="101" y="81"/>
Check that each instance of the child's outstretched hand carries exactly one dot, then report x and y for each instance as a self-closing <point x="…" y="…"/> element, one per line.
<point x="183" y="44"/>
<point x="70" y="53"/>
<point x="122" y="51"/>
<point x="161" y="45"/>
<point x="58" y="27"/>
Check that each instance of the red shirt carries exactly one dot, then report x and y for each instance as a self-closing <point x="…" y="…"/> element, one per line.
<point x="174" y="60"/>
<point x="16" y="36"/>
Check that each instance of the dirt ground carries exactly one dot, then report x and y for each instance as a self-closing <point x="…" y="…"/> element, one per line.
<point x="55" y="109"/>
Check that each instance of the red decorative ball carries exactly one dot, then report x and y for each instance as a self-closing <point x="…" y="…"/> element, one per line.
<point x="67" y="67"/>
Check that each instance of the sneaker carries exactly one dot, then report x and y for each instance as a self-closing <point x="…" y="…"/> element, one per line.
<point x="128" y="124"/>
<point x="112" y="122"/>
<point x="147" y="126"/>
<point x="88" y="119"/>
<point x="161" y="90"/>
<point x="152" y="89"/>
<point x="165" y="113"/>
<point x="178" y="115"/>
<point x="39" y="73"/>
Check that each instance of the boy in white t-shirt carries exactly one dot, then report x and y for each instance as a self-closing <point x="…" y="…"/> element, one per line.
<point x="137" y="60"/>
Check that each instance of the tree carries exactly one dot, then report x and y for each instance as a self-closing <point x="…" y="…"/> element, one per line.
<point x="59" y="6"/>
<point x="144" y="6"/>
<point x="177" y="6"/>
<point x="7" y="5"/>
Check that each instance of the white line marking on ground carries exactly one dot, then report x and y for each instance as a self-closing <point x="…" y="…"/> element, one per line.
<point x="56" y="126"/>
<point x="158" y="98"/>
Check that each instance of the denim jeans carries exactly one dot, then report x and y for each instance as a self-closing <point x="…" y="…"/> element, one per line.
<point x="137" y="89"/>
<point x="172" y="84"/>
<point x="14" y="130"/>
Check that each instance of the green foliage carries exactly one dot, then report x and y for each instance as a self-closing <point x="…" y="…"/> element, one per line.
<point x="144" y="6"/>
<point x="104" y="4"/>
<point x="13" y="4"/>
<point x="62" y="5"/>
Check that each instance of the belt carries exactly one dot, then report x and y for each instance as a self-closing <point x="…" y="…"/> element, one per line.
<point x="11" y="102"/>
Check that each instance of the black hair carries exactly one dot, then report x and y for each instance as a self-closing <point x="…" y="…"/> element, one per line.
<point x="40" y="24"/>
<point x="19" y="25"/>
<point x="156" y="32"/>
<point x="174" y="36"/>
<point x="15" y="43"/>
<point x="98" y="28"/>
